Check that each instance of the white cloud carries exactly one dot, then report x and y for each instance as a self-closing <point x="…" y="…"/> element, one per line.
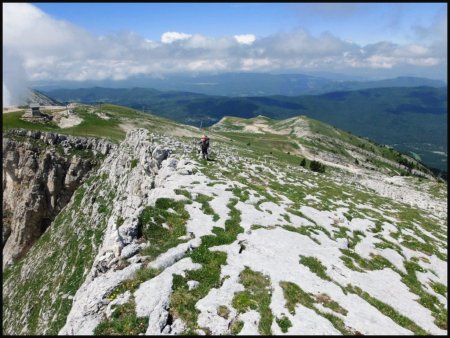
<point x="6" y="97"/>
<point x="255" y="64"/>
<point x="206" y="65"/>
<point x="170" y="37"/>
<point x="245" y="39"/>
<point x="39" y="47"/>
<point x="379" y="61"/>
<point x="14" y="78"/>
<point x="415" y="49"/>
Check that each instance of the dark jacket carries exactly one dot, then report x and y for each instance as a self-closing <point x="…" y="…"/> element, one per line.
<point x="204" y="143"/>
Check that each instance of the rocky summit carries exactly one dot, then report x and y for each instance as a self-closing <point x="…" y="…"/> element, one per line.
<point x="142" y="236"/>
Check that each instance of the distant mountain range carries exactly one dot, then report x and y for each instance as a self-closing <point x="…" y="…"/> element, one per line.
<point x="35" y="96"/>
<point x="248" y="84"/>
<point x="412" y="119"/>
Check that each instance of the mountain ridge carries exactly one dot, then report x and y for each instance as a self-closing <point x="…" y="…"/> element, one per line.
<point x="387" y="115"/>
<point x="251" y="84"/>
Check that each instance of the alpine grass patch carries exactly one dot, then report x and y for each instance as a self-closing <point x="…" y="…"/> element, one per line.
<point x="184" y="193"/>
<point x="294" y="295"/>
<point x="141" y="275"/>
<point x="326" y="301"/>
<point x="305" y="230"/>
<point x="284" y="323"/>
<point x="162" y="227"/>
<point x="134" y="163"/>
<point x="376" y="262"/>
<point x="429" y="301"/>
<point x="315" y="266"/>
<point x="236" y="327"/>
<point x="357" y="234"/>
<point x="123" y="321"/>
<point x="206" y="208"/>
<point x="243" y="195"/>
<point x="439" y="288"/>
<point x="223" y="311"/>
<point x="388" y="310"/>
<point x="183" y="300"/>
<point x="256" y="296"/>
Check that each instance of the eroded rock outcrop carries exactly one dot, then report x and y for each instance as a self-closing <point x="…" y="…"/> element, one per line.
<point x="135" y="171"/>
<point x="40" y="174"/>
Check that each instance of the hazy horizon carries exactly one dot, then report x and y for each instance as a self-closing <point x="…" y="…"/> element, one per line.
<point x="51" y="42"/>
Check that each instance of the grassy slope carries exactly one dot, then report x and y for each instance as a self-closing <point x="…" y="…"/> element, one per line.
<point x="95" y="126"/>
<point x="35" y="290"/>
<point x="285" y="146"/>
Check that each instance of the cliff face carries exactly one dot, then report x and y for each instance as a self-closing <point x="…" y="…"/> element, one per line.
<point x="40" y="174"/>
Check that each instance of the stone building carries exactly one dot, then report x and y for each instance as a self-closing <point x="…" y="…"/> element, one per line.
<point x="35" y="112"/>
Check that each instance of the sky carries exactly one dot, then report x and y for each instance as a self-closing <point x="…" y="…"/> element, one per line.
<point x="98" y="41"/>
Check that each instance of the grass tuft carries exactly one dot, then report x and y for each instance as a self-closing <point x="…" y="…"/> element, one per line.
<point x="284" y="323"/>
<point x="295" y="295"/>
<point x="388" y="310"/>
<point x="206" y="208"/>
<point x="223" y="311"/>
<point x="315" y="266"/>
<point x="123" y="321"/>
<point x="236" y="327"/>
<point x="134" y="163"/>
<point x="151" y="227"/>
<point x="257" y="296"/>
<point x="183" y="300"/>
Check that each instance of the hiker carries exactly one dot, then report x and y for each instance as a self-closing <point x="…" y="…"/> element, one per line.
<point x="204" y="142"/>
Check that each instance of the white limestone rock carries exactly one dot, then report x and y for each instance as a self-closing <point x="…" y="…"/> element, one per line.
<point x="192" y="284"/>
<point x="160" y="154"/>
<point x="174" y="254"/>
<point x="120" y="300"/>
<point x="130" y="250"/>
<point x="153" y="296"/>
<point x="90" y="300"/>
